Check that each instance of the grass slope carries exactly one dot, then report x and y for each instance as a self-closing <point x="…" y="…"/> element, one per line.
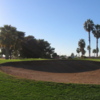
<point x="22" y="89"/>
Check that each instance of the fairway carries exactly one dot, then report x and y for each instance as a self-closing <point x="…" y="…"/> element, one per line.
<point x="62" y="71"/>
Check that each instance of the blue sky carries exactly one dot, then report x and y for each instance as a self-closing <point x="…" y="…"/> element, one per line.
<point x="60" y="22"/>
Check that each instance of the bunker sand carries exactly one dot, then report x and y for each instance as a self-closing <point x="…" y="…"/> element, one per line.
<point x="62" y="71"/>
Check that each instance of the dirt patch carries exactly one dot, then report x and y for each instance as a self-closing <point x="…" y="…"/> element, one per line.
<point x="70" y="71"/>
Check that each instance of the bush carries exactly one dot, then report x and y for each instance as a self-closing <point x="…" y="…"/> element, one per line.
<point x="84" y="57"/>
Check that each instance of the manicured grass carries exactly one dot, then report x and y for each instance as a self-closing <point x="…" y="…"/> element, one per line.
<point x="12" y="88"/>
<point x="22" y="89"/>
<point x="90" y="59"/>
<point x="32" y="59"/>
<point x="93" y="59"/>
<point x="15" y="60"/>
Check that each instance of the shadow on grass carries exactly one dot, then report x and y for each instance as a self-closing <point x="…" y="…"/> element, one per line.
<point x="56" y="66"/>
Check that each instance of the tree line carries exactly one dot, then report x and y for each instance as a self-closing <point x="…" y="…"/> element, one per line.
<point x="90" y="27"/>
<point x="15" y="43"/>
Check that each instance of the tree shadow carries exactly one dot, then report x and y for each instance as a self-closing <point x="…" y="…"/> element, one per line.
<point x="56" y="66"/>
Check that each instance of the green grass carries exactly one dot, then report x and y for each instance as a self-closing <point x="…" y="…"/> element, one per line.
<point x="17" y="60"/>
<point x="12" y="88"/>
<point x="93" y="59"/>
<point x="22" y="89"/>
<point x="90" y="59"/>
<point x="32" y="59"/>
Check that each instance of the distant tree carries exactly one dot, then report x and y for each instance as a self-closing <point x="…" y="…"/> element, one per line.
<point x="96" y="32"/>
<point x="54" y="55"/>
<point x="8" y="38"/>
<point x="88" y="26"/>
<point x="45" y="49"/>
<point x="63" y="56"/>
<point x="78" y="50"/>
<point x="94" y="51"/>
<point x="72" y="55"/>
<point x="2" y="51"/>
<point x="29" y="48"/>
<point x="15" y="51"/>
<point x="33" y="48"/>
<point x="81" y="44"/>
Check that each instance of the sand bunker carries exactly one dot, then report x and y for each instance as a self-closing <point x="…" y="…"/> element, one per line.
<point x="63" y="71"/>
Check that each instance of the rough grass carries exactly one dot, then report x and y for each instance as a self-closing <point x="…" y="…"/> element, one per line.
<point x="12" y="88"/>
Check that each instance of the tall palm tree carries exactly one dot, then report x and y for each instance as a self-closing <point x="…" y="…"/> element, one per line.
<point x="8" y="37"/>
<point x="81" y="44"/>
<point x="88" y="48"/>
<point x="88" y="26"/>
<point x="96" y="32"/>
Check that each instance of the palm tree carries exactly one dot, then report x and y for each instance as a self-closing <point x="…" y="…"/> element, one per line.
<point x="88" y="26"/>
<point x="88" y="48"/>
<point x="8" y="37"/>
<point x="78" y="50"/>
<point x="96" y="32"/>
<point x="81" y="44"/>
<point x="94" y="51"/>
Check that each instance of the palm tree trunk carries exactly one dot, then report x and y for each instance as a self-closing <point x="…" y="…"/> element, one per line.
<point x="97" y="46"/>
<point x="89" y="45"/>
<point x="7" y="53"/>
